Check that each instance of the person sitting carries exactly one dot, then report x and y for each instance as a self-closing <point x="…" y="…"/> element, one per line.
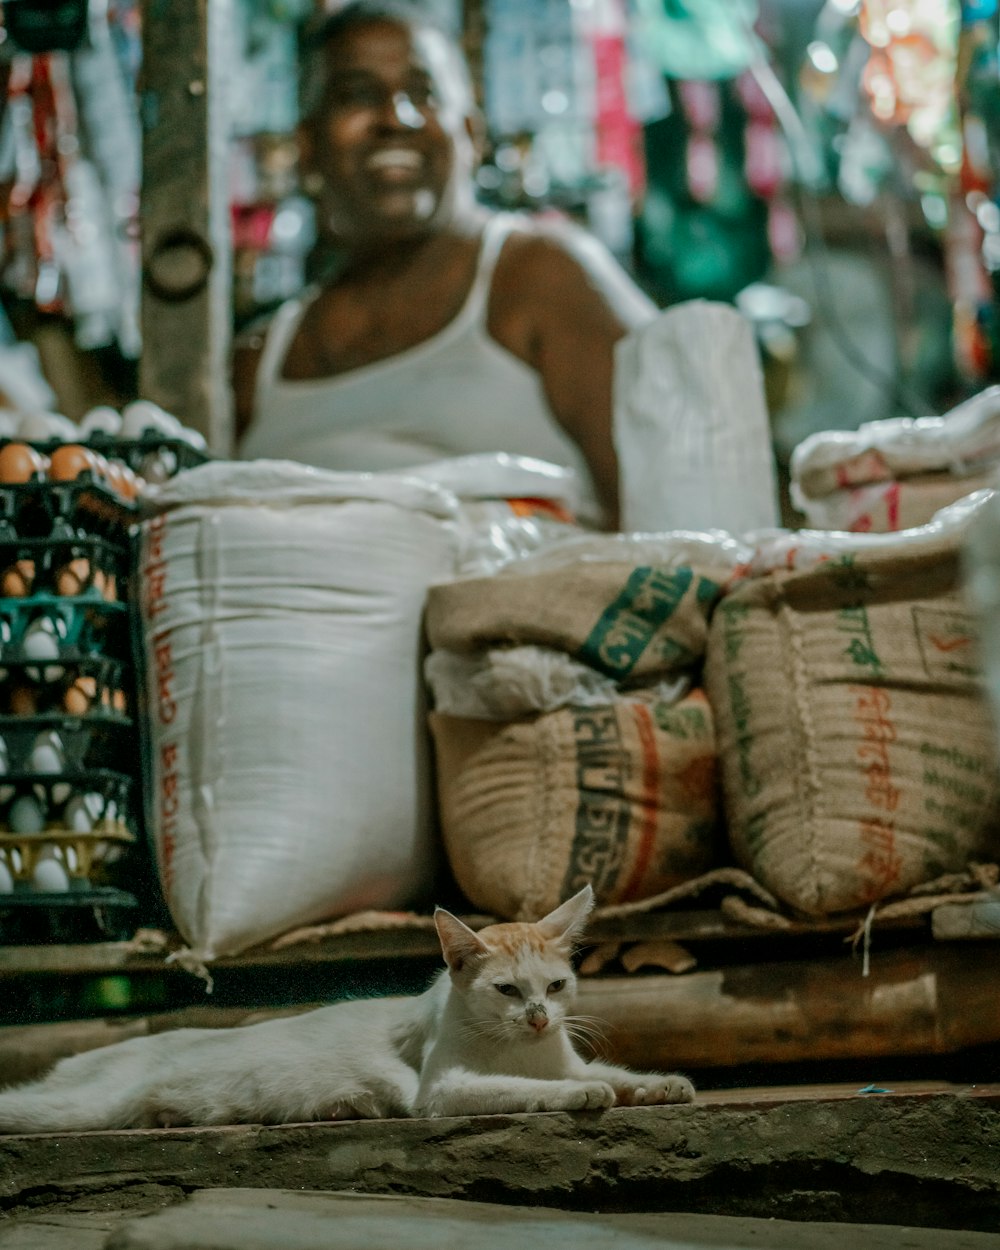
<point x="445" y="329"/>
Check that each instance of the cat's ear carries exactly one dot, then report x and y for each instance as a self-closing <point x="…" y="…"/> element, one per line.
<point x="458" y="942"/>
<point x="567" y="922"/>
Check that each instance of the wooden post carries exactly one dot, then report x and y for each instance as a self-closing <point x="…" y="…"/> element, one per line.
<point x="186" y="312"/>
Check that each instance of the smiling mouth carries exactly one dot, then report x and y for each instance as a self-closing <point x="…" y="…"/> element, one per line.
<point x="399" y="161"/>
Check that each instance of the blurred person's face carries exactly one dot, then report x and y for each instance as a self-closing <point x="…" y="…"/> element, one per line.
<point x="391" y="139"/>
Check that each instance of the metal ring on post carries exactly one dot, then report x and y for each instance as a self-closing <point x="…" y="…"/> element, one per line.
<point x="178" y="265"/>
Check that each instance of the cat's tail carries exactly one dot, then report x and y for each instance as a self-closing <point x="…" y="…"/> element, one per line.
<point x="79" y="1094"/>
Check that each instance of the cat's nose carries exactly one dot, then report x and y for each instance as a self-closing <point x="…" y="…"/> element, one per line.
<point x="537" y="1016"/>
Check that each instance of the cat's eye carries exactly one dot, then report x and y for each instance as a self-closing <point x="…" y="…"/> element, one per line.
<point x="556" y="986"/>
<point x="508" y="990"/>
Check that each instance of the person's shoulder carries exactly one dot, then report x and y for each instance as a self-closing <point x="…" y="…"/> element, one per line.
<point x="552" y="257"/>
<point x="551" y="240"/>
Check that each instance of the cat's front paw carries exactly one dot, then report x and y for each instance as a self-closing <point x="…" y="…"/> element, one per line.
<point x="591" y="1096"/>
<point x="652" y="1089"/>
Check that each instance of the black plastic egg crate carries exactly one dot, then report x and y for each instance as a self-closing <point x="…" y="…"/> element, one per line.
<point x="66" y="548"/>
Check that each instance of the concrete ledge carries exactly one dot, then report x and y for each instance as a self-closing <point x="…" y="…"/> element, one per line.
<point x="917" y="1158"/>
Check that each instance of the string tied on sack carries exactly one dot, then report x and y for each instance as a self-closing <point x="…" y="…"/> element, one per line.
<point x="863" y="934"/>
<point x="188" y="960"/>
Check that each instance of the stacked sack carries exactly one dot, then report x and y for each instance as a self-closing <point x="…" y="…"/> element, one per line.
<point x="573" y="744"/>
<point x="859" y="756"/>
<point x="894" y="475"/>
<point x="281" y="621"/>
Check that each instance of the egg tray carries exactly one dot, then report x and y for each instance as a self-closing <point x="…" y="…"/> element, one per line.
<point x="55" y="828"/>
<point x="95" y="914"/>
<point x="55" y="790"/>
<point x="81" y="627"/>
<point x="88" y="686"/>
<point x="64" y="564"/>
<point x="154" y="458"/>
<point x="40" y="508"/>
<point x="84" y="857"/>
<point x="99" y="740"/>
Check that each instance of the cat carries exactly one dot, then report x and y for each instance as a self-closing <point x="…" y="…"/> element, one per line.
<point x="491" y="1035"/>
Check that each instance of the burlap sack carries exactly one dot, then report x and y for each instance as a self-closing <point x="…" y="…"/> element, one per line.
<point x="625" y="621"/>
<point x="858" y="756"/>
<point x="623" y="797"/>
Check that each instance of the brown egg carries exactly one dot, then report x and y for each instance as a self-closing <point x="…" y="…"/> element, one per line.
<point x="80" y="695"/>
<point x="69" y="461"/>
<point x="130" y="483"/>
<point x="110" y="590"/>
<point x="23" y="701"/>
<point x="17" y="579"/>
<point x="101" y="467"/>
<point x="114" y="477"/>
<point x="19" y="463"/>
<point x="119" y="702"/>
<point x="74" y="577"/>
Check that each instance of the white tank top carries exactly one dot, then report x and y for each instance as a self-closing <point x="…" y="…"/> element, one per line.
<point x="455" y="394"/>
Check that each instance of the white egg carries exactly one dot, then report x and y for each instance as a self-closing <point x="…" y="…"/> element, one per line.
<point x="6" y="878"/>
<point x="50" y="877"/>
<point x="40" y="427"/>
<point x="102" y="420"/>
<point x="194" y="438"/>
<point x="142" y="415"/>
<point x="9" y="421"/>
<point x="5" y="637"/>
<point x="47" y="753"/>
<point x="26" y="815"/>
<point x="158" y="466"/>
<point x="41" y="642"/>
<point x="4" y="758"/>
<point x="59" y="791"/>
<point x="83" y="811"/>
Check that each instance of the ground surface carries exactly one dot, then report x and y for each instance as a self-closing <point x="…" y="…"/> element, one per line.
<point x="272" y="1219"/>
<point x="922" y="1156"/>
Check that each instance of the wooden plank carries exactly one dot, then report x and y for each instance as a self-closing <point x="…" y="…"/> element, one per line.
<point x="99" y="958"/>
<point x="186" y="309"/>
<point x="953" y="922"/>
<point x="928" y="1000"/>
<point x="29" y="1050"/>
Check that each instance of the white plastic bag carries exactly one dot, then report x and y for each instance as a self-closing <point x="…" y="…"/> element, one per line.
<point x="691" y="425"/>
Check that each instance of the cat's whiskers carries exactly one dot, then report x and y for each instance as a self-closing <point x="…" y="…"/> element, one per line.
<point x="589" y="1030"/>
<point x="487" y="1030"/>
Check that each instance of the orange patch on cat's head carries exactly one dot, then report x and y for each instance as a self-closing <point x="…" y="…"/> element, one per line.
<point x="554" y="932"/>
<point x="512" y="939"/>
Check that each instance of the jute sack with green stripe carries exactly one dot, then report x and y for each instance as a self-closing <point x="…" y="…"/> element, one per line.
<point x="624" y="797"/>
<point x="630" y="623"/>
<point x="858" y="755"/>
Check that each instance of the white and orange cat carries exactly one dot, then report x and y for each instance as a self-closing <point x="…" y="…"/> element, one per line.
<point x="491" y="1035"/>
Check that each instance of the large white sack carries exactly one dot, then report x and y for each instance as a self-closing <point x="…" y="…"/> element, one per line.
<point x="691" y="425"/>
<point x="964" y="442"/>
<point x="281" y="614"/>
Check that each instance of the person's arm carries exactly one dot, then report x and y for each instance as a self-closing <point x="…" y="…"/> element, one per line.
<point x="560" y="302"/>
<point x="246" y="353"/>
